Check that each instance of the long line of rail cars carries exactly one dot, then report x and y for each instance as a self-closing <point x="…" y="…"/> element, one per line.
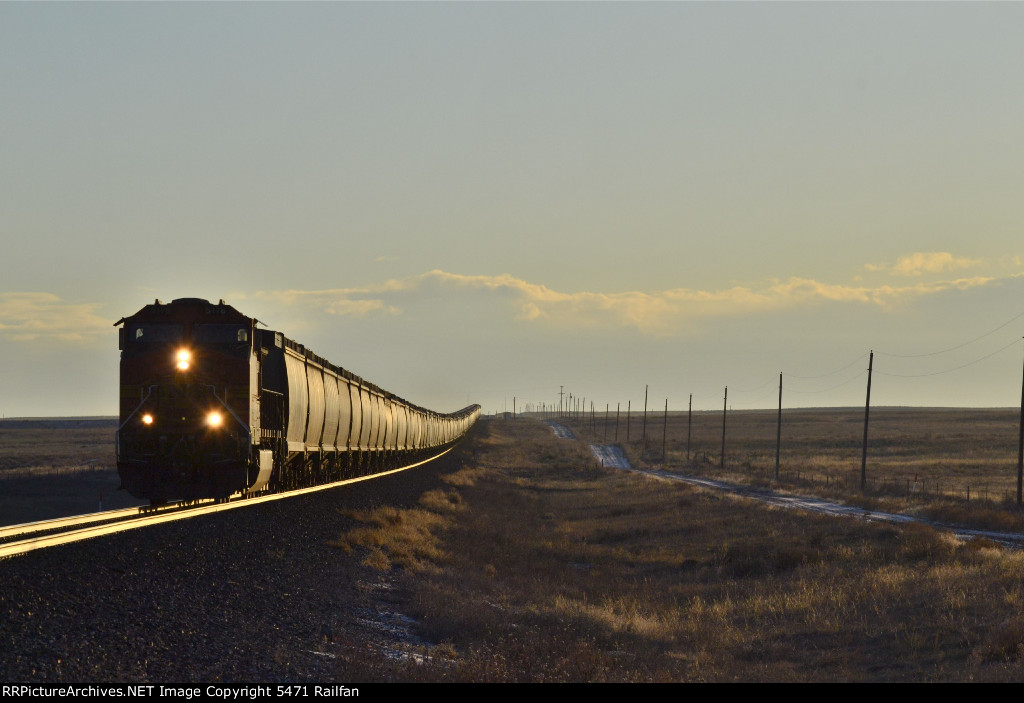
<point x="211" y="406"/>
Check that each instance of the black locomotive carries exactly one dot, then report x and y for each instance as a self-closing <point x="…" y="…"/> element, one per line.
<point x="212" y="406"/>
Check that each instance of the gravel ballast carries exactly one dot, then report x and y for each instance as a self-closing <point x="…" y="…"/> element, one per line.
<point x="256" y="594"/>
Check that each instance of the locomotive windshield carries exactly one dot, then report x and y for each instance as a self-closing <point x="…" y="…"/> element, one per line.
<point x="220" y="333"/>
<point x="155" y="333"/>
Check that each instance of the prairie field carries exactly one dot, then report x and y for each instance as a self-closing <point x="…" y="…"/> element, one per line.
<point x="58" y="467"/>
<point x="530" y="562"/>
<point x="535" y="564"/>
<point x="958" y="464"/>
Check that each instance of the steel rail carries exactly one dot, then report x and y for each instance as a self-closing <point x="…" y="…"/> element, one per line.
<point x="146" y="519"/>
<point x="62" y="522"/>
<point x="8" y="531"/>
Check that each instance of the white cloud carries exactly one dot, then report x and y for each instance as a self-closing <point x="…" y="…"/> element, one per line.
<point x="665" y="313"/>
<point x="920" y="263"/>
<point x="32" y="316"/>
<point x="360" y="308"/>
<point x="28" y="316"/>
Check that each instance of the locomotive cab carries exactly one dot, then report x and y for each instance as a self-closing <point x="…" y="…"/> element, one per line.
<point x="189" y="411"/>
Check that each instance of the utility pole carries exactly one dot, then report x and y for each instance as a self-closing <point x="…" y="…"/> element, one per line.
<point x="778" y="431"/>
<point x="560" y="400"/>
<point x="664" y="436"/>
<point x="689" y="426"/>
<point x="867" y="412"/>
<point x="1020" y="448"/>
<point x="725" y="412"/>
<point x="617" y="407"/>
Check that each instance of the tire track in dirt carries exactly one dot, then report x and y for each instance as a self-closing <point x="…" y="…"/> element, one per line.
<point x="612" y="456"/>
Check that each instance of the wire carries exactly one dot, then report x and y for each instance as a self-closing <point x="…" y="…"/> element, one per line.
<point x="955" y="368"/>
<point x="959" y="346"/>
<point x="831" y="388"/>
<point x="833" y="373"/>
<point x="805" y="378"/>
<point x="754" y="390"/>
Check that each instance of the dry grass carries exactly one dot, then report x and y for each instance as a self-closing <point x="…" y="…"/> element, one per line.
<point x="55" y="468"/>
<point x="394" y="536"/>
<point x="534" y="564"/>
<point x="48" y="447"/>
<point x="953" y="465"/>
<point x="553" y="569"/>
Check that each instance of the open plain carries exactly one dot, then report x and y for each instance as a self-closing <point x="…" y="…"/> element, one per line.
<point x="518" y="558"/>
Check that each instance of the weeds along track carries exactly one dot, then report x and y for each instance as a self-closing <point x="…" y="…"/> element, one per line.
<point x="612" y="456"/>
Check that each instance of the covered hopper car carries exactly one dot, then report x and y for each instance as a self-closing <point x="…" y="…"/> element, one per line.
<point x="211" y="406"/>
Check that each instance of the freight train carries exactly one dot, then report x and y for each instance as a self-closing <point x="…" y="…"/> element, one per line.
<point x="212" y="406"/>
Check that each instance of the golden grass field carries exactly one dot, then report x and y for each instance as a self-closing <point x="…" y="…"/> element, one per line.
<point x="532" y="563"/>
<point x="55" y="468"/>
<point x="956" y="464"/>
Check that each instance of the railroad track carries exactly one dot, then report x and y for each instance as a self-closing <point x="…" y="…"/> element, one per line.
<point x="20" y="539"/>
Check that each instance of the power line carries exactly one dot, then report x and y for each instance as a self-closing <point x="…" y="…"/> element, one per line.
<point x="901" y="356"/>
<point x="830" y="388"/>
<point x="753" y="390"/>
<point x="831" y="373"/>
<point x="955" y="368"/>
<point x="959" y="346"/>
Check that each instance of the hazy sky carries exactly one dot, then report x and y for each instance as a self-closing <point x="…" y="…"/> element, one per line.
<point x="475" y="202"/>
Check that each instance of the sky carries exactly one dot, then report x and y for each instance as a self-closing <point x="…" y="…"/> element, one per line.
<point x="497" y="202"/>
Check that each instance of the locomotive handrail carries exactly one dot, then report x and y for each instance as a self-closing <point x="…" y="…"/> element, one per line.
<point x="117" y="432"/>
<point x="136" y="410"/>
<point x="224" y="402"/>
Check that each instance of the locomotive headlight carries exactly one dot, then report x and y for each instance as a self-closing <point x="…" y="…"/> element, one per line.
<point x="147" y="419"/>
<point x="214" y="419"/>
<point x="184" y="358"/>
